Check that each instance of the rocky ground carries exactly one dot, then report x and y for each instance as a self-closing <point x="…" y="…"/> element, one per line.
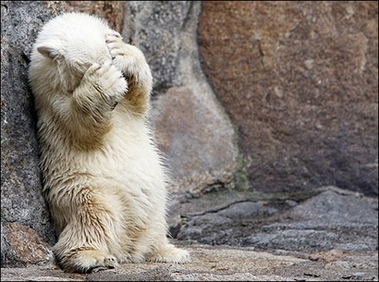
<point x="221" y="263"/>
<point x="326" y="235"/>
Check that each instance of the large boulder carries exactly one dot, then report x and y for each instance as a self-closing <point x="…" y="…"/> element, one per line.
<point x="192" y="129"/>
<point x="299" y="80"/>
<point x="26" y="232"/>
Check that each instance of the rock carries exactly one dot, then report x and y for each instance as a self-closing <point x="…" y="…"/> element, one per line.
<point x="300" y="85"/>
<point x="197" y="142"/>
<point x="331" y="209"/>
<point x="246" y="210"/>
<point x="155" y="28"/>
<point x="112" y="11"/>
<point x="213" y="227"/>
<point x="192" y="129"/>
<point x="217" y="264"/>
<point x="329" y="220"/>
<point x="24" y="216"/>
<point x="35" y="251"/>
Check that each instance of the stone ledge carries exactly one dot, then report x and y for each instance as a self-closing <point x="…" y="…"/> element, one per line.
<point x="223" y="263"/>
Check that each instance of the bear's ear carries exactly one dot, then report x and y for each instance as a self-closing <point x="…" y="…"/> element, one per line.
<point x="49" y="51"/>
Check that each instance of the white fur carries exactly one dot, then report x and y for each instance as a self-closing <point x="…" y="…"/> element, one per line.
<point x="102" y="173"/>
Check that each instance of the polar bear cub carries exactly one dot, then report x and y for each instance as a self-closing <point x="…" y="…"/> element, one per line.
<point x="102" y="173"/>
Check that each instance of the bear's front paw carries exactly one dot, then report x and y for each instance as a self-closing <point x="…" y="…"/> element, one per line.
<point x="128" y="59"/>
<point x="108" y="81"/>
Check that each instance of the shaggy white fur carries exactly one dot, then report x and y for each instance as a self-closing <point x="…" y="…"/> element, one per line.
<point x="102" y="173"/>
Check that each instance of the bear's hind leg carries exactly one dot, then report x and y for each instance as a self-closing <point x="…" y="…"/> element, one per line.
<point x="90" y="237"/>
<point x="86" y="260"/>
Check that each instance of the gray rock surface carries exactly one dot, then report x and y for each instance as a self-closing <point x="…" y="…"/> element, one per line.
<point x="156" y="27"/>
<point x="333" y="219"/>
<point x="24" y="217"/>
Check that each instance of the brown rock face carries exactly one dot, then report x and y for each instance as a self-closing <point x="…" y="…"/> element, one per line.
<point x="300" y="82"/>
<point x="197" y="142"/>
<point x="112" y="11"/>
<point x="28" y="247"/>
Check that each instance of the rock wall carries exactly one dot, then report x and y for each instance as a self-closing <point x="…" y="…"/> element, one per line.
<point x="299" y="80"/>
<point x="26" y="231"/>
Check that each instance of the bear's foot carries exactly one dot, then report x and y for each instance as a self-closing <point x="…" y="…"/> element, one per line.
<point x="87" y="261"/>
<point x="170" y="254"/>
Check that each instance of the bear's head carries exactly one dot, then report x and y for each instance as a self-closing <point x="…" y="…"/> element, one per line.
<point x="62" y="53"/>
